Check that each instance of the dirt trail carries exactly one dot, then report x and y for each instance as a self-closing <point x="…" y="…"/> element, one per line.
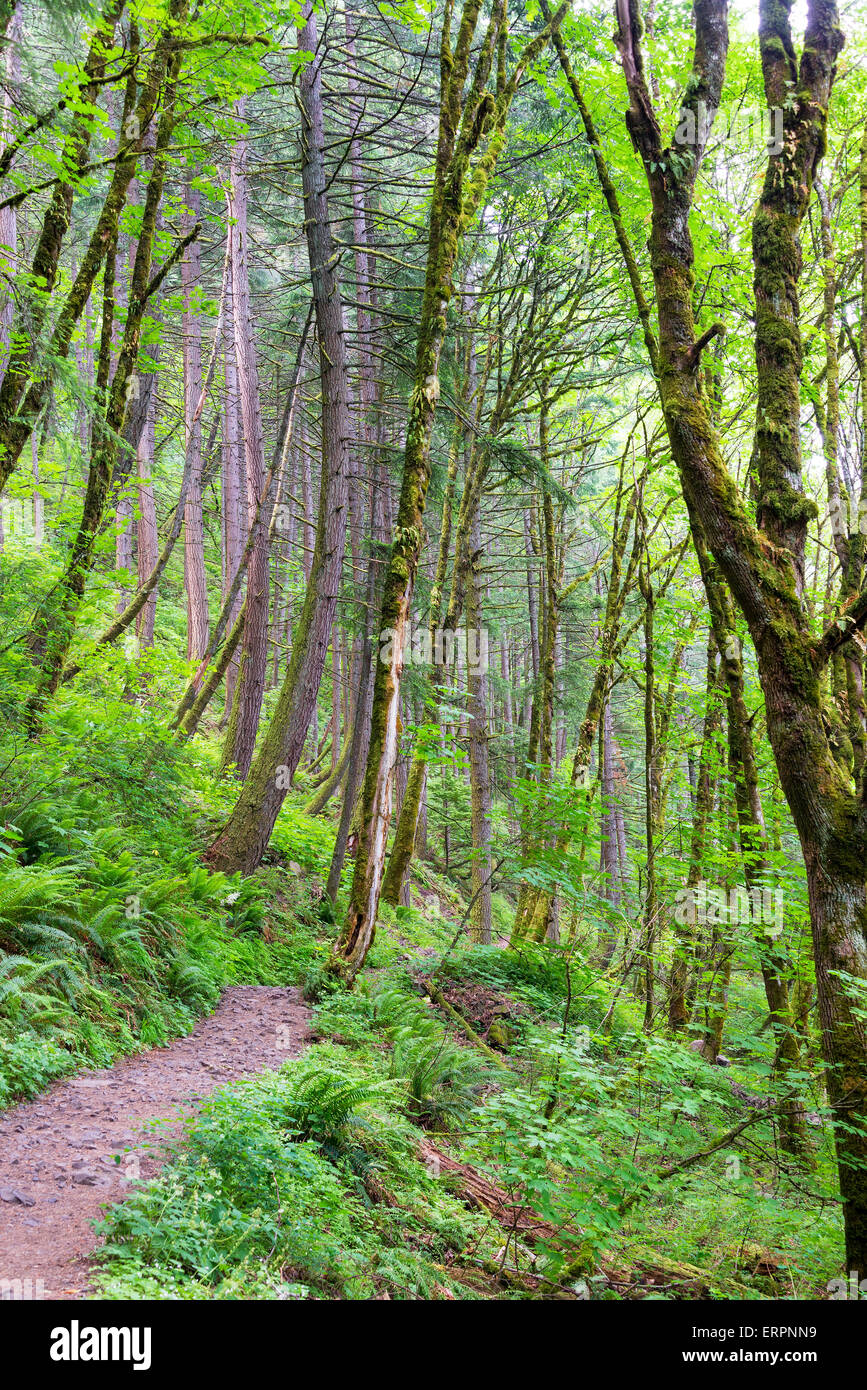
<point x="57" y="1152"/>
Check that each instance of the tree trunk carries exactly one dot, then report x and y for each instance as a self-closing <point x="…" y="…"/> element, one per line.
<point x="19" y="405"/>
<point x="684" y="952"/>
<point x="195" y="580"/>
<point x="9" y="215"/>
<point x="111" y="426"/>
<point x="480" y="777"/>
<point x="764" y="564"/>
<point x="244" y="840"/>
<point x="241" y="733"/>
<point x="147" y="535"/>
<point x="404" y="835"/>
<point x="234" y="485"/>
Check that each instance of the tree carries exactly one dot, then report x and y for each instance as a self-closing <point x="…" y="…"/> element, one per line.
<point x="763" y="561"/>
<point x="245" y="837"/>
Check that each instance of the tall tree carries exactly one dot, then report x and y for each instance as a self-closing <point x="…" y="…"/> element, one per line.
<point x="245" y="837"/>
<point x="250" y="690"/>
<point x="763" y="560"/>
<point x="471" y="135"/>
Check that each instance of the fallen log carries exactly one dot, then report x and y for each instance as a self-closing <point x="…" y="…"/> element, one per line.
<point x="481" y="1191"/>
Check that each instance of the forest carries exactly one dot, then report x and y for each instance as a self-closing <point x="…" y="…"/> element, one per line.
<point x="433" y="593"/>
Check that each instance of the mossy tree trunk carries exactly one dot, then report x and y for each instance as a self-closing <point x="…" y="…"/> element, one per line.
<point x="480" y="773"/>
<point x="470" y="138"/>
<point x="28" y="377"/>
<point x="52" y="645"/>
<point x="245" y="836"/>
<point x="683" y="960"/>
<point x="404" y="835"/>
<point x="355" y="750"/>
<point x="764" y="564"/>
<point x="774" y="963"/>
<point x="46" y="256"/>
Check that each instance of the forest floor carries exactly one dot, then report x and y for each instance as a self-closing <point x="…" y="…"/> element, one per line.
<point x="300" y="1141"/>
<point x="78" y="1146"/>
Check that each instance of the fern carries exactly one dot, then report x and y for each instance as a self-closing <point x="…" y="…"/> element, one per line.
<point x="443" y="1081"/>
<point x="17" y="976"/>
<point x="192" y="983"/>
<point x="37" y="907"/>
<point x="326" y="1103"/>
<point x="117" y="940"/>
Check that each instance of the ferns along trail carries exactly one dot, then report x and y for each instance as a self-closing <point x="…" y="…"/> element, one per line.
<point x="433" y="592"/>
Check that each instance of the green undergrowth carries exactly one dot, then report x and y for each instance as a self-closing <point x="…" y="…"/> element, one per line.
<point x="113" y="935"/>
<point x="610" y="1134"/>
<point x="309" y="1182"/>
<point x="305" y="1183"/>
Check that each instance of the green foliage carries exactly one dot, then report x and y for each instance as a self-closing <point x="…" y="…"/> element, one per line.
<point x="113" y="935"/>
<point x="28" y="1064"/>
<point x="278" y="1192"/>
<point x="439" y="1081"/>
<point x="443" y="1080"/>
